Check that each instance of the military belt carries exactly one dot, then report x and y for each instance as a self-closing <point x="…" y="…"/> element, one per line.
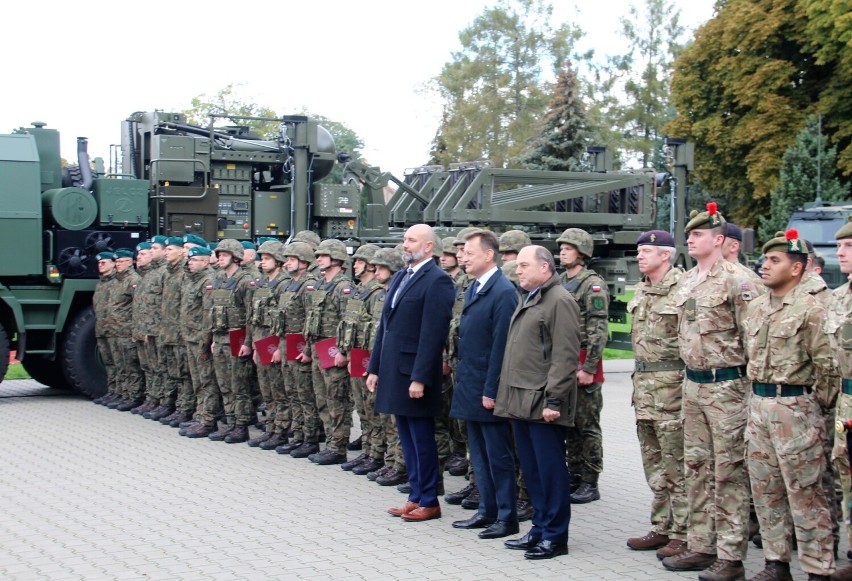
<point x="846" y="386"/>
<point x="666" y="365"/>
<point x="715" y="375"/>
<point x="779" y="390"/>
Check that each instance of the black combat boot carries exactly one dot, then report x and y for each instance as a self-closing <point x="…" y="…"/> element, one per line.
<point x="274" y="442"/>
<point x="219" y="435"/>
<point x="238" y="435"/>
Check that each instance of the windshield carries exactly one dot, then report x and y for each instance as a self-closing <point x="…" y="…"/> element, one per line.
<point x="817" y="231"/>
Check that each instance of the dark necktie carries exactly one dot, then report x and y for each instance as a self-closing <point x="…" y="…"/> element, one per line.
<point x="402" y="284"/>
<point x="475" y="289"/>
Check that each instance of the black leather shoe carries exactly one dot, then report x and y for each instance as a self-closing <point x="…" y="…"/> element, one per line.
<point x="274" y="442"/>
<point x="472" y="500"/>
<point x="355" y="446"/>
<point x="289" y="446"/>
<point x="369" y="465"/>
<point x="477" y="521"/>
<point x="586" y="493"/>
<point x="351" y="464"/>
<point x="305" y="450"/>
<point x="525" y="543"/>
<point x="500" y="529"/>
<point x="546" y="550"/>
<point x="524" y="510"/>
<point x="392" y="478"/>
<point x="458" y="497"/>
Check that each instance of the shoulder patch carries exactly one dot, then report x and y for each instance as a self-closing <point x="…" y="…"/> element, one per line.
<point x="598" y="303"/>
<point x="310" y="288"/>
<point x="346" y="291"/>
<point x="209" y="287"/>
<point x="596" y="288"/>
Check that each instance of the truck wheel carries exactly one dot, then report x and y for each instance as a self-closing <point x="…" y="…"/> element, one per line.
<point x="80" y="360"/>
<point x="45" y="371"/>
<point x="4" y="353"/>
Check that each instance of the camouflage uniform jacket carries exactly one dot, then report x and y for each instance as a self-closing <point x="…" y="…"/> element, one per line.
<point x="262" y="316"/>
<point x="327" y="303"/>
<point x="712" y="314"/>
<point x="838" y="326"/>
<point x="355" y="328"/>
<point x="252" y="271"/>
<point x="100" y="302"/>
<point x="376" y="308"/>
<point x="147" y="299"/>
<point x="814" y="285"/>
<point x="656" y="394"/>
<point x="293" y="305"/>
<point x="121" y="302"/>
<point x="461" y="281"/>
<point x="590" y="291"/>
<point x="750" y="272"/>
<point x="196" y="306"/>
<point x="786" y="345"/>
<point x="169" y="314"/>
<point x="231" y="297"/>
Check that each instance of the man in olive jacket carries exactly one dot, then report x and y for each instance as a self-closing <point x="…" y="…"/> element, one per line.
<point x="538" y="390"/>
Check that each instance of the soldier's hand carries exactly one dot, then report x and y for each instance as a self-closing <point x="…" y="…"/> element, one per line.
<point x="416" y="389"/>
<point x="549" y="415"/>
<point x="303" y="358"/>
<point x="145" y="339"/>
<point x="276" y="356"/>
<point x="245" y="351"/>
<point x="372" y="382"/>
<point x="255" y="358"/>
<point x="340" y="360"/>
<point x="584" y="377"/>
<point x="487" y="403"/>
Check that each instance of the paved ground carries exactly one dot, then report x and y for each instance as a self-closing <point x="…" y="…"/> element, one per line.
<point x="91" y="493"/>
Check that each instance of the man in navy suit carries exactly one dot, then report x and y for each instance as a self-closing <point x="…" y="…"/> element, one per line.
<point x="488" y="307"/>
<point x="405" y="368"/>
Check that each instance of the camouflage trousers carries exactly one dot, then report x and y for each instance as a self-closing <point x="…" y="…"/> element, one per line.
<point x="270" y="379"/>
<point x="717" y="485"/>
<point x="442" y="423"/>
<point x="203" y="376"/>
<point x="661" y="444"/>
<point x="370" y="425"/>
<point x="298" y="380"/>
<point x="840" y="458"/>
<point x="178" y="391"/>
<point x="785" y="463"/>
<point x="233" y="374"/>
<point x="129" y="381"/>
<point x="334" y="403"/>
<point x="584" y="442"/>
<point x="150" y="360"/>
<point x="109" y="364"/>
<point x="393" y="455"/>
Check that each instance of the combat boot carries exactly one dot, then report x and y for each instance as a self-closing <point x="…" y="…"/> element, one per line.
<point x="585" y="493"/>
<point x="305" y="450"/>
<point x="145" y="407"/>
<point x="673" y="549"/>
<point x="219" y="435"/>
<point x="357" y="461"/>
<point x="844" y="574"/>
<point x="649" y="542"/>
<point x="471" y="501"/>
<point x="372" y="476"/>
<point x="166" y="420"/>
<point x="255" y="442"/>
<point x="274" y="442"/>
<point x="392" y="477"/>
<point x="178" y="418"/>
<point x="774" y="571"/>
<point x="128" y="405"/>
<point x="524" y="510"/>
<point x="815" y="577"/>
<point x="328" y="457"/>
<point x="355" y="445"/>
<point x="200" y="430"/>
<point x="689" y="561"/>
<point x="187" y="426"/>
<point x="724" y="570"/>
<point x="149" y="414"/>
<point x="289" y="446"/>
<point x="238" y="435"/>
<point x="161" y="412"/>
<point x="116" y="402"/>
<point x="369" y="465"/>
<point x="458" y="497"/>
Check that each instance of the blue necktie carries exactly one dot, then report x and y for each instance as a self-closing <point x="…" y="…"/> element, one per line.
<point x="401" y="286"/>
<point x="475" y="289"/>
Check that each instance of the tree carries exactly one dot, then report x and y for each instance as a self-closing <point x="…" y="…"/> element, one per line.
<point x="494" y="89"/>
<point x="227" y="102"/>
<point x="808" y="170"/>
<point x="562" y="142"/>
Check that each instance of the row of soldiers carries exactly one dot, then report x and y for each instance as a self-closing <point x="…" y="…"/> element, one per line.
<point x="737" y="382"/>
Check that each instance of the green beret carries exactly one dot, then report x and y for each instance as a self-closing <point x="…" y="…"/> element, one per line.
<point x="159" y="239"/>
<point x="845" y="231"/>
<point x="174" y="241"/>
<point x="212" y="246"/>
<point x="143" y="246"/>
<point x="705" y="220"/>
<point x="123" y="253"/>
<point x="194" y="239"/>
<point x="199" y="251"/>
<point x="248" y="245"/>
<point x="788" y="242"/>
<point x="105" y="256"/>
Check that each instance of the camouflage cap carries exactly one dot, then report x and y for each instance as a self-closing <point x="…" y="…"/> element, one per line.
<point x="514" y="240"/>
<point x="124" y="253"/>
<point x="462" y="235"/>
<point x="199" y="251"/>
<point x="510" y="271"/>
<point x="274" y="248"/>
<point x="105" y="256"/>
<point x="579" y="239"/>
<point x="174" y="241"/>
<point x="655" y="238"/>
<point x="733" y="231"/>
<point x="232" y="247"/>
<point x="248" y="245"/>
<point x="365" y="252"/>
<point x="309" y="237"/>
<point x="194" y="239"/>
<point x="788" y="242"/>
<point x="845" y="230"/>
<point x="388" y="257"/>
<point x="333" y="248"/>
<point x="711" y="218"/>
<point x="448" y="246"/>
<point x="143" y="246"/>
<point x="159" y="239"/>
<point x="301" y="250"/>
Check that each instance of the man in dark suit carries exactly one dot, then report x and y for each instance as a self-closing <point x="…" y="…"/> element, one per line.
<point x="488" y="307"/>
<point x="538" y="390"/>
<point x="405" y="369"/>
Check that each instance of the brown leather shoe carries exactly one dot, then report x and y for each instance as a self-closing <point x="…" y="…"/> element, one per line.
<point x="689" y="561"/>
<point x="651" y="541"/>
<point x="404" y="509"/>
<point x="673" y="549"/>
<point x="422" y="513"/>
<point x="724" y="570"/>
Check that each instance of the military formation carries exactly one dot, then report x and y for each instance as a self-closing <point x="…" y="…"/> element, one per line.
<point x="738" y="378"/>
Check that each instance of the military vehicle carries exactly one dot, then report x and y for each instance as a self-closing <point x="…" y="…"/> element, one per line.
<point x="817" y="222"/>
<point x="170" y="177"/>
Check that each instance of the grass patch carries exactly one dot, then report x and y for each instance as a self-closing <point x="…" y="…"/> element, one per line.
<point x="16" y="371"/>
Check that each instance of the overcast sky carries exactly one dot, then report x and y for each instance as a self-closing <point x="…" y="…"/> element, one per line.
<point x="84" y="66"/>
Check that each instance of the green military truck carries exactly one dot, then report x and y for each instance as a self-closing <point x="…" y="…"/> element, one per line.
<point x="817" y="222"/>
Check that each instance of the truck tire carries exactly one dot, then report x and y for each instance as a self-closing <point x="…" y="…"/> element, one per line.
<point x="45" y="371"/>
<point x="80" y="360"/>
<point x="4" y="352"/>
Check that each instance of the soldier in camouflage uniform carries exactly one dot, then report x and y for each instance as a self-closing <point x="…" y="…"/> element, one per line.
<point x="712" y="299"/>
<point x="790" y="365"/>
<point x="327" y="303"/>
<point x="731" y="249"/>
<point x="131" y="384"/>
<point x="231" y="296"/>
<point x="263" y="321"/>
<point x="250" y="265"/>
<point x="146" y="323"/>
<point x="313" y="240"/>
<point x="585" y="440"/>
<point x="351" y="334"/>
<point x="103" y="330"/>
<point x="657" y="387"/>
<point x="298" y="381"/>
<point x="838" y="326"/>
<point x="511" y="242"/>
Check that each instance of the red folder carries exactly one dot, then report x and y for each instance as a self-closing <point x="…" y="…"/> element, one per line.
<point x="326" y="350"/>
<point x="359" y="360"/>
<point x="237" y="338"/>
<point x="265" y="348"/>
<point x="295" y="344"/>
<point x="598" y="378"/>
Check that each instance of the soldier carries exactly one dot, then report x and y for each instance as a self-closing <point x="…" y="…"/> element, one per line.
<point x="196" y="307"/>
<point x="712" y="300"/>
<point x="351" y="335"/>
<point x="103" y="325"/>
<point x="263" y="320"/>
<point x="130" y="382"/>
<point x="331" y="385"/>
<point x="146" y="323"/>
<point x="789" y="363"/>
<point x="731" y="248"/>
<point x="249" y="262"/>
<point x="313" y="240"/>
<point x="449" y="257"/>
<point x="231" y="295"/>
<point x="585" y="441"/>
<point x="838" y="326"/>
<point x="214" y="260"/>
<point x="657" y="383"/>
<point x="292" y="307"/>
<point x="511" y="242"/>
